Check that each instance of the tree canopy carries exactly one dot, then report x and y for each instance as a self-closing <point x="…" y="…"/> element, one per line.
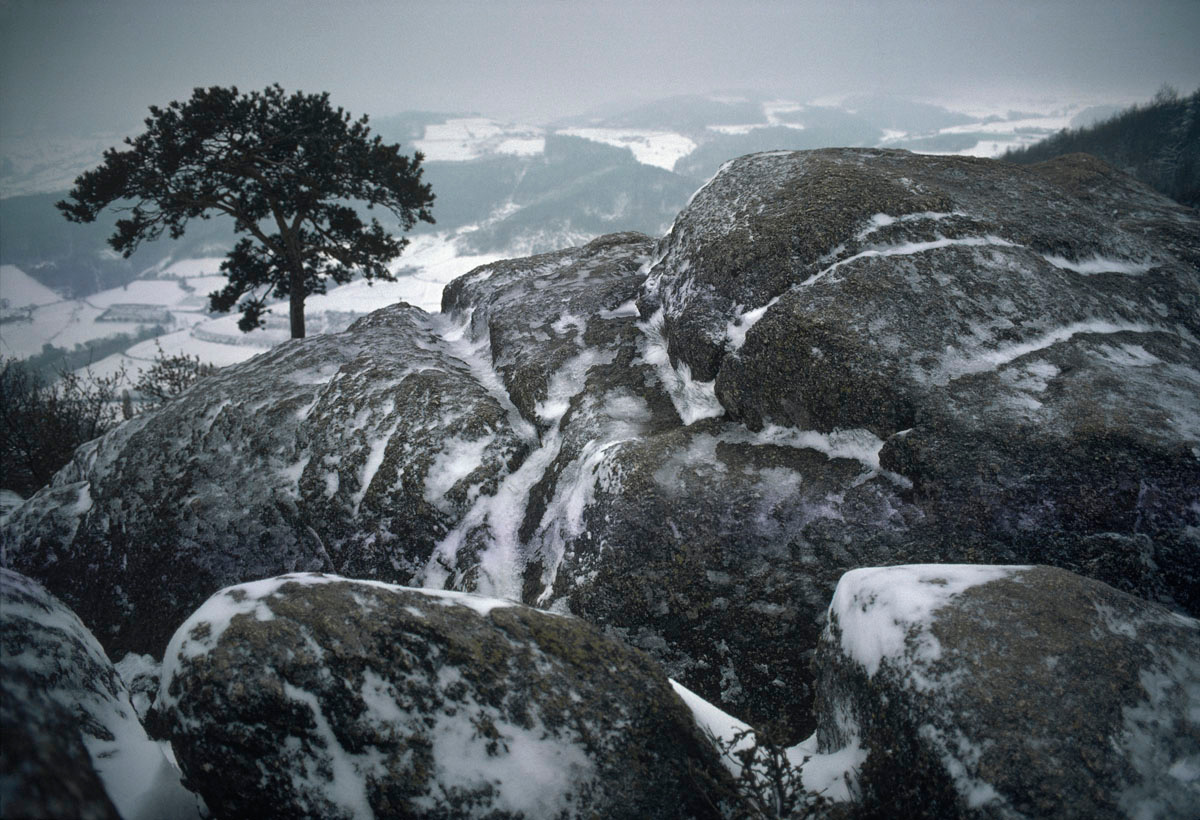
<point x="288" y="169"/>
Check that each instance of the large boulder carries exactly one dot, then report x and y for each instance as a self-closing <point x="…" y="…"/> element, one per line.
<point x="72" y="743"/>
<point x="1024" y="341"/>
<point x="644" y="511"/>
<point x="1009" y="692"/>
<point x="352" y="453"/>
<point x="311" y="695"/>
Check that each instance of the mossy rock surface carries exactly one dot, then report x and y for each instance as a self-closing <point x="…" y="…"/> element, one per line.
<point x="1026" y="692"/>
<point x="312" y="695"/>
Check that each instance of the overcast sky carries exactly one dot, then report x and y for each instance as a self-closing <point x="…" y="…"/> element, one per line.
<point x="97" y="64"/>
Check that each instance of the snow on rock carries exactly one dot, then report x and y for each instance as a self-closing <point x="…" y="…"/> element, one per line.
<point x="313" y="695"/>
<point x="836" y="359"/>
<point x="1001" y="691"/>
<point x="347" y="429"/>
<point x="61" y="697"/>
<point x="884" y="613"/>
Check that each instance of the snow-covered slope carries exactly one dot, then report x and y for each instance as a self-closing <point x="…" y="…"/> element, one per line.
<point x="20" y="290"/>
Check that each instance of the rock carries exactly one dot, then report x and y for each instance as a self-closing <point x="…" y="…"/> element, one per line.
<point x="73" y="746"/>
<point x="541" y="312"/>
<point x="642" y="511"/>
<point x="987" y="691"/>
<point x="1025" y="342"/>
<point x="836" y="358"/>
<point x="312" y="695"/>
<point x="45" y="770"/>
<point x="353" y="452"/>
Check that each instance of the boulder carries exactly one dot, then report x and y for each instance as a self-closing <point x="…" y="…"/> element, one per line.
<point x="1024" y="341"/>
<point x="352" y="452"/>
<point x="45" y="770"/>
<point x="312" y="695"/>
<point x="1009" y="692"/>
<point x="641" y="509"/>
<point x="73" y="745"/>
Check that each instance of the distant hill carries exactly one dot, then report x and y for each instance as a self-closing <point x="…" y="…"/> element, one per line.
<point x="1158" y="142"/>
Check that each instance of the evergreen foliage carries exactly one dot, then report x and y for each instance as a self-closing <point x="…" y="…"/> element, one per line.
<point x="1158" y="143"/>
<point x="286" y="168"/>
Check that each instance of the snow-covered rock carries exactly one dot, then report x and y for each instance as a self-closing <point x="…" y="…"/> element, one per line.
<point x="73" y="745"/>
<point x="1025" y="342"/>
<point x="313" y="456"/>
<point x="835" y="359"/>
<point x="312" y="695"/>
<point x="1010" y="692"/>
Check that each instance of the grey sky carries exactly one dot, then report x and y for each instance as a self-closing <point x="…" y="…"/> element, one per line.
<point x="97" y="64"/>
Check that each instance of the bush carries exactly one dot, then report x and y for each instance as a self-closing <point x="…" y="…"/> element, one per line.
<point x="766" y="785"/>
<point x="41" y="423"/>
<point x="168" y="377"/>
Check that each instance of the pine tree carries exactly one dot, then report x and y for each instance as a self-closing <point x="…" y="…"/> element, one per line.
<point x="286" y="168"/>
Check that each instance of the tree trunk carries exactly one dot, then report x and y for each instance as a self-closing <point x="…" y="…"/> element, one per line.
<point x="296" y="310"/>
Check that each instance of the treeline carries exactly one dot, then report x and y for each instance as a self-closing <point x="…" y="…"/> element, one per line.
<point x="1157" y="142"/>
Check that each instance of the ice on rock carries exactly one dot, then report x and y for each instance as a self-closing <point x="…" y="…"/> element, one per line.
<point x="693" y="400"/>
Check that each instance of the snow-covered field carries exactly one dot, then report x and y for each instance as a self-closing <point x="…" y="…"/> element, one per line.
<point x="39" y="316"/>
<point x="659" y="148"/>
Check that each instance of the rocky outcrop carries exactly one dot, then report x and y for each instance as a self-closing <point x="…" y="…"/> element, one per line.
<point x="1024" y="343"/>
<point x="1010" y="692"/>
<point x="835" y="359"/>
<point x="351" y="453"/>
<point x="73" y="746"/>
<point x="310" y="695"/>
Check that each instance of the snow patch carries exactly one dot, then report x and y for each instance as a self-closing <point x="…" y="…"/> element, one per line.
<point x="1099" y="264"/>
<point x="910" y="248"/>
<point x="881" y="220"/>
<point x="829" y="774"/>
<point x="18" y="289"/>
<point x="529" y="774"/>
<point x="201" y="633"/>
<point x="693" y="400"/>
<point x="884" y="613"/>
<point x="568" y="381"/>
<point x="456" y="460"/>
<point x="955" y="366"/>
<point x="659" y="148"/>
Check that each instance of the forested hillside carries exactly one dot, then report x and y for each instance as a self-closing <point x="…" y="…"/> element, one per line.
<point x="1159" y="143"/>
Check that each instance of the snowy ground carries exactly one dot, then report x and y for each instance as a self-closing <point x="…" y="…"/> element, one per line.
<point x="181" y="292"/>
